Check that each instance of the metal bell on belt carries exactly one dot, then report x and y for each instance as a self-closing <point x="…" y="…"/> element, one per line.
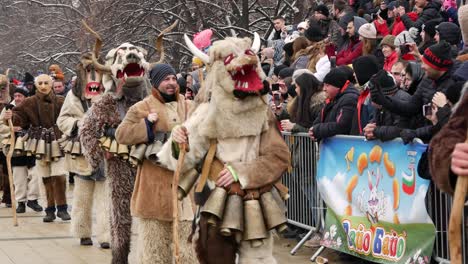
<point x="19" y="145"/>
<point x="122" y="151"/>
<point x="186" y="183"/>
<point x="40" y="149"/>
<point x="254" y="225"/>
<point x="107" y="143"/>
<point x="56" y="153"/>
<point x="273" y="214"/>
<point x="113" y="147"/>
<point x="138" y="152"/>
<point x="68" y="147"/>
<point x="76" y="149"/>
<point x="214" y="206"/>
<point x="233" y="219"/>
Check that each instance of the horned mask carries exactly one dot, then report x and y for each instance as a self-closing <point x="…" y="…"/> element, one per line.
<point x="88" y="84"/>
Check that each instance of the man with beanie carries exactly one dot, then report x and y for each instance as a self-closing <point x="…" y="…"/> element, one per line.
<point x="438" y="66"/>
<point x="328" y="26"/>
<point x="26" y="182"/>
<point x="28" y="82"/>
<point x="336" y="116"/>
<point x="386" y="125"/>
<point x="364" y="67"/>
<point x="151" y="121"/>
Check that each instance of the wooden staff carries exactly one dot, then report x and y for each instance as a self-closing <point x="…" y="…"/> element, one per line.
<point x="10" y="172"/>
<point x="455" y="239"/>
<point x="175" y="203"/>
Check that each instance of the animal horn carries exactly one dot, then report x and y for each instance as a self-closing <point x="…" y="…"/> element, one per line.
<point x="195" y="51"/>
<point x="97" y="49"/>
<point x="159" y="43"/>
<point x="7" y="72"/>
<point x="256" y="43"/>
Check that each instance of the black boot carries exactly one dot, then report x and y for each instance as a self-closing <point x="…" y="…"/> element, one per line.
<point x="21" y="209"/>
<point x="105" y="245"/>
<point x="63" y="213"/>
<point x="50" y="215"/>
<point x="86" y="241"/>
<point x="33" y="204"/>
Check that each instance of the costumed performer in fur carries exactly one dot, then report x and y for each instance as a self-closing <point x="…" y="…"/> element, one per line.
<point x="5" y="100"/>
<point x="126" y="83"/>
<point x="150" y="122"/>
<point x="90" y="185"/>
<point x="40" y="112"/>
<point x="235" y="125"/>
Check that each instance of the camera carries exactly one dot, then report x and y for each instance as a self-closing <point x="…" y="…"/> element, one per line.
<point x="275" y="87"/>
<point x="427" y="109"/>
<point x="333" y="62"/>
<point x="404" y="49"/>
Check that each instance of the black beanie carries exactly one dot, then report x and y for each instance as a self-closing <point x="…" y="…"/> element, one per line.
<point x="438" y="56"/>
<point x="286" y="72"/>
<point x="385" y="81"/>
<point x="349" y="72"/>
<point x="336" y="77"/>
<point x="314" y="33"/>
<point x="449" y="32"/>
<point x="159" y="72"/>
<point x="430" y="27"/>
<point x="322" y="9"/>
<point x="21" y="91"/>
<point x="278" y="68"/>
<point x="453" y="93"/>
<point x="364" y="67"/>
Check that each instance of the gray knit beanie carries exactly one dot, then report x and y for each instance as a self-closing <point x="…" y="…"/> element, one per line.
<point x="159" y="72"/>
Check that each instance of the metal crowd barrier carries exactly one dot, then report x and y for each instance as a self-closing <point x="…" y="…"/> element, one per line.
<point x="306" y="209"/>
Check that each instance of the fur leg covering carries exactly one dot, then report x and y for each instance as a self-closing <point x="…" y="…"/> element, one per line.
<point x="81" y="223"/>
<point x="121" y="179"/>
<point x="101" y="202"/>
<point x="260" y="255"/>
<point x="155" y="242"/>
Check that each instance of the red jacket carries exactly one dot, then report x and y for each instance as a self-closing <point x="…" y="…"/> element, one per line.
<point x="388" y="63"/>
<point x="346" y="56"/>
<point x="398" y="25"/>
<point x="382" y="29"/>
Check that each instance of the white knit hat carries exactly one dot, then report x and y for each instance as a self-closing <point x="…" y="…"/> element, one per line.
<point x="368" y="31"/>
<point x="403" y="38"/>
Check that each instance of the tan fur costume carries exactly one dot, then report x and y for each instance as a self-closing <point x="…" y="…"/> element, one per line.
<point x="247" y="139"/>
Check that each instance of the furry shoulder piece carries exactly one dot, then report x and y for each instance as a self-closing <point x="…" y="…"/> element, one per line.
<point x="102" y="114"/>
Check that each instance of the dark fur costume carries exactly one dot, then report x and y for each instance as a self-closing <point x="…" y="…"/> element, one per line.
<point x="119" y="173"/>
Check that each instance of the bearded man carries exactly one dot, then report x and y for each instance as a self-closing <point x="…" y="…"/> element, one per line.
<point x="90" y="185"/>
<point x="40" y="112"/>
<point x="150" y="121"/>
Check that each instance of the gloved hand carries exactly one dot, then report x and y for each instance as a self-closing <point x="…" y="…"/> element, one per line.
<point x="408" y="135"/>
<point x="376" y="93"/>
<point x="109" y="132"/>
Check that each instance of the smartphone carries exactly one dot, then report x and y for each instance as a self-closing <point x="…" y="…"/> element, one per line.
<point x="404" y="49"/>
<point x="333" y="62"/>
<point x="427" y="109"/>
<point x="276" y="99"/>
<point x="275" y="87"/>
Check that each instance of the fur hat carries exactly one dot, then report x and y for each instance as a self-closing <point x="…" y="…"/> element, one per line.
<point x="336" y="77"/>
<point x="463" y="21"/>
<point x="159" y="72"/>
<point x="388" y="40"/>
<point x="403" y="38"/>
<point x="364" y="67"/>
<point x="322" y="9"/>
<point x="449" y="32"/>
<point x="438" y="56"/>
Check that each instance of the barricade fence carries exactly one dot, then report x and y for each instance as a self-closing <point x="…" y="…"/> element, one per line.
<point x="306" y="208"/>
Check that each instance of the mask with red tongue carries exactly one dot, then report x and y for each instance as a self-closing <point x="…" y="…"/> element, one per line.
<point x="243" y="72"/>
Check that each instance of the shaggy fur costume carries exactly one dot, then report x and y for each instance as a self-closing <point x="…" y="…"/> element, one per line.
<point x="84" y="194"/>
<point x="155" y="242"/>
<point x="120" y="175"/>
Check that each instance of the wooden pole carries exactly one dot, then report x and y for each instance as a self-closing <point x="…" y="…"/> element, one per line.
<point x="10" y="171"/>
<point x="175" y="203"/>
<point x="455" y="232"/>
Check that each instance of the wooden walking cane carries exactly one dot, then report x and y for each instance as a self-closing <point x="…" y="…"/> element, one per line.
<point x="455" y="236"/>
<point x="175" y="202"/>
<point x="10" y="172"/>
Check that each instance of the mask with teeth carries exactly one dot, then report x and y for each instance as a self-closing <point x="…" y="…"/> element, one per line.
<point x="88" y="84"/>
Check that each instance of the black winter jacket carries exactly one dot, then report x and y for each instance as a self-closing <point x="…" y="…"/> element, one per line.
<point x="390" y="124"/>
<point x="336" y="116"/>
<point x="431" y="11"/>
